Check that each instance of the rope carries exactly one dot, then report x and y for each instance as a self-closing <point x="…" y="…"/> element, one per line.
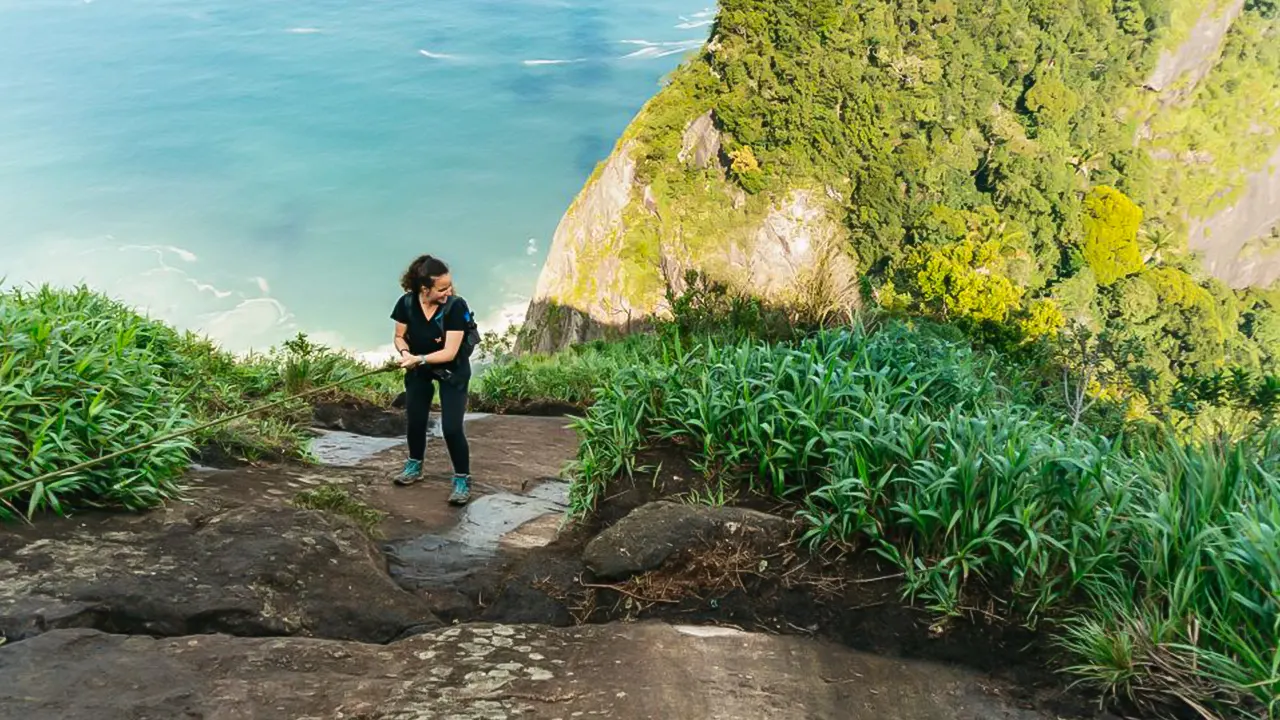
<point x="19" y="487"/>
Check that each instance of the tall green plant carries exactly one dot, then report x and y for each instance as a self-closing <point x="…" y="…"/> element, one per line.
<point x="1156" y="560"/>
<point x="81" y="377"/>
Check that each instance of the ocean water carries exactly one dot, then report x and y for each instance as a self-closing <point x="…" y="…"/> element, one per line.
<point x="255" y="168"/>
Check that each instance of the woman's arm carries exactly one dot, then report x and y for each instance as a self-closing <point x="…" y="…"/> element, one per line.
<point x="402" y="345"/>
<point x="452" y="341"/>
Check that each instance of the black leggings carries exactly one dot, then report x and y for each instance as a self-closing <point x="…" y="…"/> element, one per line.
<point x="419" y="389"/>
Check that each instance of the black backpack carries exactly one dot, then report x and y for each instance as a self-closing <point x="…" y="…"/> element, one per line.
<point x="470" y="338"/>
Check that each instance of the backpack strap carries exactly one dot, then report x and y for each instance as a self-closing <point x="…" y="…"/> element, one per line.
<point x="442" y="312"/>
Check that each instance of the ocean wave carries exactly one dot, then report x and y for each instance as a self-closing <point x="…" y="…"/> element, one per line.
<point x="166" y="282"/>
<point x="304" y="31"/>
<point x="237" y="312"/>
<point x="691" y="24"/>
<point x="207" y="288"/>
<point x="510" y="314"/>
<point x="552" y="62"/>
<point x="182" y="253"/>
<point x="645" y="52"/>
<point x="661" y="50"/>
<point x="436" y="55"/>
<point x="690" y="43"/>
<point x="251" y="326"/>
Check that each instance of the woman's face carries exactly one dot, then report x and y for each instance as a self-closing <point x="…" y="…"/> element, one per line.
<point x="439" y="292"/>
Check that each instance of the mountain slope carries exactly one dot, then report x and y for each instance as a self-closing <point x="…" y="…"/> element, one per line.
<point x="1014" y="165"/>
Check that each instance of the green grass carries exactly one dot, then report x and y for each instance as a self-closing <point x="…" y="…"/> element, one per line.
<point x="83" y="376"/>
<point x="1155" y="563"/>
<point x="338" y="501"/>
<point x="568" y="377"/>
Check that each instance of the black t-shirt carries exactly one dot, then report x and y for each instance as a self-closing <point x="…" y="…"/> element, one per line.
<point x="427" y="336"/>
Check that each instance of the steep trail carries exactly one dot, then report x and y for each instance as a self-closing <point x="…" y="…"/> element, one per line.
<point x="237" y="604"/>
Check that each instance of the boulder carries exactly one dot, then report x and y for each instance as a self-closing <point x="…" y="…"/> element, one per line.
<point x="656" y="531"/>
<point x="250" y="570"/>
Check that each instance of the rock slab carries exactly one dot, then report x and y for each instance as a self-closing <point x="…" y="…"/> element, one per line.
<point x="249" y="570"/>
<point x="656" y="531"/>
<point x="494" y="672"/>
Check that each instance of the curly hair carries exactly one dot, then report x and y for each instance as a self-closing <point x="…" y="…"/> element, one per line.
<point x="422" y="272"/>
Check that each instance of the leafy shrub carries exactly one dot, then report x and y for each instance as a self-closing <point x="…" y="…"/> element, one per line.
<point x="569" y="377"/>
<point x="1111" y="222"/>
<point x="959" y="281"/>
<point x="1155" y="561"/>
<point x="81" y="377"/>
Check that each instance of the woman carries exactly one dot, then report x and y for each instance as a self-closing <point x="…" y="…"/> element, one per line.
<point x="430" y="325"/>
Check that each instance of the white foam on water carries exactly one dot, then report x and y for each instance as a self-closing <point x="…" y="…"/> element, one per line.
<point x="304" y="31"/>
<point x="511" y="314"/>
<point x="207" y="288"/>
<point x="691" y="24"/>
<point x="436" y="55"/>
<point x="532" y="63"/>
<point x="650" y="49"/>
<point x="160" y="250"/>
<point x="643" y="52"/>
<point x="164" y="282"/>
<point x="374" y="358"/>
<point x="256" y="318"/>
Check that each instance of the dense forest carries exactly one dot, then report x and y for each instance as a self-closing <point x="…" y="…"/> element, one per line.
<point x="985" y="157"/>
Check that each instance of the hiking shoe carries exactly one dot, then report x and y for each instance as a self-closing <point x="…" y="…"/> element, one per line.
<point x="461" y="490"/>
<point x="411" y="474"/>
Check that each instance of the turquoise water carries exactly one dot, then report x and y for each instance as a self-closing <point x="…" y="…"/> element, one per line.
<point x="255" y="168"/>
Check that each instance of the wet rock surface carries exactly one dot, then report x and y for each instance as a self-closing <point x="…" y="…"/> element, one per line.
<point x="465" y="549"/>
<point x="644" y="670"/>
<point x="654" y="532"/>
<point x="245" y="571"/>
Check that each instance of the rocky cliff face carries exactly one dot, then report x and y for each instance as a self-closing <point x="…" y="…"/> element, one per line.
<point x="632" y="233"/>
<point x="1181" y="68"/>
<point x="577" y="296"/>
<point x="1236" y="243"/>
<point x="606" y="272"/>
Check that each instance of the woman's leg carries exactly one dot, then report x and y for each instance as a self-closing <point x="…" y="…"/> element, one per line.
<point x="453" y="406"/>
<point x="418" y="392"/>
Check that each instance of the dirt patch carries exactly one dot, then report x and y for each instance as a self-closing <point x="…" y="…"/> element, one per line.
<point x="535" y="408"/>
<point x="512" y="455"/>
<point x="360" y="418"/>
